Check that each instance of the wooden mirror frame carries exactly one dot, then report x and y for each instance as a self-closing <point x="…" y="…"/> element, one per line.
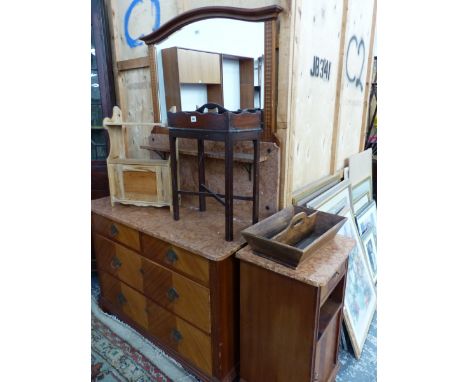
<point x="268" y="15"/>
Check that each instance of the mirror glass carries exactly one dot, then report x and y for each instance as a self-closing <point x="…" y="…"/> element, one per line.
<point x="214" y="60"/>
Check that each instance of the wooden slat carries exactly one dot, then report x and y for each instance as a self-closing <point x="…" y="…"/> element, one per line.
<point x="365" y="109"/>
<point x="133" y="63"/>
<point x="153" y="67"/>
<point x="336" y="118"/>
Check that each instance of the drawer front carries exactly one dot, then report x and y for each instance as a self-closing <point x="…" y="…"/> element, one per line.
<point x="176" y="258"/>
<point x="190" y="342"/>
<point x="178" y="334"/>
<point x="174" y="292"/>
<point x="126" y="299"/>
<point x="327" y="289"/>
<point x="116" y="231"/>
<point x="119" y="261"/>
<point x="178" y="294"/>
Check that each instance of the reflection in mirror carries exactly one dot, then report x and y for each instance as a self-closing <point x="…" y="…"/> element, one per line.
<point x="214" y="60"/>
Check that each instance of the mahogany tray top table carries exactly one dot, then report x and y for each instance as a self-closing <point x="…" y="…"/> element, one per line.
<point x="228" y="127"/>
<point x="176" y="282"/>
<point x="290" y="319"/>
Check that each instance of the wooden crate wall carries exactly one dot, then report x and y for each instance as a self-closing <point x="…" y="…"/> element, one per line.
<point x="320" y="117"/>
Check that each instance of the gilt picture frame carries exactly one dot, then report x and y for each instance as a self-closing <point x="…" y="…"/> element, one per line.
<point x="334" y="200"/>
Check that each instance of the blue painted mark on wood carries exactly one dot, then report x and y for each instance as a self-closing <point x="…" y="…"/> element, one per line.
<point x="134" y="42"/>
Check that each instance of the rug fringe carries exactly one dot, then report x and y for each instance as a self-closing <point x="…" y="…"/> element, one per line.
<point x="157" y="356"/>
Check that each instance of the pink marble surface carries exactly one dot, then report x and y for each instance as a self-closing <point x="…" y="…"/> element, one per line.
<point x="198" y="232"/>
<point x="317" y="270"/>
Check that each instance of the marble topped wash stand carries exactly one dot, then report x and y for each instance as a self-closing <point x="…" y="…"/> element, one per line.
<point x="176" y="282"/>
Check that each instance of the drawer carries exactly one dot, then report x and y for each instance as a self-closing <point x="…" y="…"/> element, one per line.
<point x="327" y="289"/>
<point x="190" y="342"/>
<point x="119" y="261"/>
<point x="174" y="292"/>
<point x="176" y="258"/>
<point x="126" y="299"/>
<point x="178" y="334"/>
<point x="116" y="231"/>
<point x="178" y="294"/>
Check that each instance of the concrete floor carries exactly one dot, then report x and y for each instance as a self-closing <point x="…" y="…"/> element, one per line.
<point x="364" y="369"/>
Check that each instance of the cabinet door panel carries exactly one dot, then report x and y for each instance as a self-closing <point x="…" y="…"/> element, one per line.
<point x="198" y="67"/>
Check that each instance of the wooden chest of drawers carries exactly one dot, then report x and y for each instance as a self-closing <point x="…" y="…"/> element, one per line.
<point x="290" y="320"/>
<point x="185" y="303"/>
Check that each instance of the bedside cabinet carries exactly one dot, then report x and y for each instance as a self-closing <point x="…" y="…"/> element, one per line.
<point x="290" y="320"/>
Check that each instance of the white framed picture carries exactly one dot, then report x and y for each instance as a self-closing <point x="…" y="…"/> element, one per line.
<point x="370" y="246"/>
<point x="334" y="200"/>
<point x="363" y="187"/>
<point x="360" y="296"/>
<point x="361" y="202"/>
<point x="367" y="219"/>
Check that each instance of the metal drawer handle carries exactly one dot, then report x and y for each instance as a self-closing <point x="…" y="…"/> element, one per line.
<point x="176" y="336"/>
<point x="115" y="263"/>
<point x="113" y="230"/>
<point x="172" y="294"/>
<point x="121" y="298"/>
<point x="171" y="256"/>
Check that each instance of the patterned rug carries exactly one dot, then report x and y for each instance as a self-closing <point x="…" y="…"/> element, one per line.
<point x="119" y="353"/>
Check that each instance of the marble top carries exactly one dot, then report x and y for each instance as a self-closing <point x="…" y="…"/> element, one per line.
<point x="198" y="232"/>
<point x="317" y="270"/>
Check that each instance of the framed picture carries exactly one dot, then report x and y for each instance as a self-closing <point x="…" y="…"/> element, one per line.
<point x="367" y="219"/>
<point x="363" y="187"/>
<point x="335" y="200"/>
<point x="361" y="202"/>
<point x="360" y="296"/>
<point x="370" y="246"/>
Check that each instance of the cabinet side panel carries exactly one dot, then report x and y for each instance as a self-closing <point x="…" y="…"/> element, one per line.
<point x="224" y="280"/>
<point x="277" y="325"/>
